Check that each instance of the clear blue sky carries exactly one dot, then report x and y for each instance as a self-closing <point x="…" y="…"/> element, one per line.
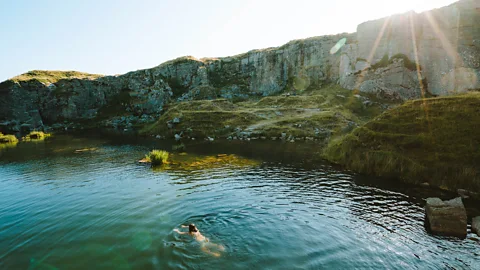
<point x="117" y="36"/>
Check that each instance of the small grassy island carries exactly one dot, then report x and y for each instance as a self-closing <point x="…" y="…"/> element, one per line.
<point x="157" y="157"/>
<point x="7" y="141"/>
<point x="7" y="138"/>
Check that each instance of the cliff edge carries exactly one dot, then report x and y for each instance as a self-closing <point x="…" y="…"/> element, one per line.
<point x="400" y="57"/>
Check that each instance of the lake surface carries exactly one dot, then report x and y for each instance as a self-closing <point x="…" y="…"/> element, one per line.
<point x="271" y="206"/>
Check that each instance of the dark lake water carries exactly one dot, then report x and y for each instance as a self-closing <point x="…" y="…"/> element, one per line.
<point x="272" y="206"/>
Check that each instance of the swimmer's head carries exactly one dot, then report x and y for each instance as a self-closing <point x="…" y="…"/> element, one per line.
<point x="192" y="228"/>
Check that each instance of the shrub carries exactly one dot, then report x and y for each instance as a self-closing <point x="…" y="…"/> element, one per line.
<point x="382" y="63"/>
<point x="157" y="157"/>
<point x="8" y="138"/>
<point x="411" y="65"/>
<point x="385" y="61"/>
<point x="36" y="136"/>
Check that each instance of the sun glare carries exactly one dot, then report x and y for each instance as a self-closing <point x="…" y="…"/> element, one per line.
<point x="392" y="7"/>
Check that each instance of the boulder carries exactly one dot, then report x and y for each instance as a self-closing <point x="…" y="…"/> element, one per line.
<point x="448" y="218"/>
<point x="476" y="225"/>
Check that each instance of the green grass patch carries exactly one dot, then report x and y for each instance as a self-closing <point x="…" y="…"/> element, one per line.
<point x="51" y="76"/>
<point x="157" y="157"/>
<point x="385" y="61"/>
<point x="434" y="140"/>
<point x="320" y="125"/>
<point x="292" y="101"/>
<point x="36" y="136"/>
<point x="8" y="138"/>
<point x="202" y="118"/>
<point x="116" y="106"/>
<point x="330" y="109"/>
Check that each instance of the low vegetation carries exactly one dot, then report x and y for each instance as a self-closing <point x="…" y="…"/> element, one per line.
<point x="201" y="119"/>
<point x="48" y="76"/>
<point x="434" y="140"/>
<point x="320" y="112"/>
<point x="7" y="139"/>
<point x="36" y="136"/>
<point x="385" y="61"/>
<point x="157" y="157"/>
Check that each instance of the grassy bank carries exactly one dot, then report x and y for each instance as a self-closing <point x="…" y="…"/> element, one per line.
<point x="316" y="113"/>
<point x="434" y="140"/>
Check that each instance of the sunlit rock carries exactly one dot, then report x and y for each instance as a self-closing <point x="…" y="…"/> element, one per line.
<point x="448" y="218"/>
<point x="461" y="80"/>
<point x="442" y="47"/>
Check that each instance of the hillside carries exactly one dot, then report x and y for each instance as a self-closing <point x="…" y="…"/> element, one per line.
<point x="434" y="140"/>
<point x="316" y="115"/>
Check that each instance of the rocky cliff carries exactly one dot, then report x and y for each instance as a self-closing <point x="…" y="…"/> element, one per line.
<point x="402" y="57"/>
<point x="442" y="44"/>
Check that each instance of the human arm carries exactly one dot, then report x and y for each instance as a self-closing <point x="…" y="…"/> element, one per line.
<point x="178" y="231"/>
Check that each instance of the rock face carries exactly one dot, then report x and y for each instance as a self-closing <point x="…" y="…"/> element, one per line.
<point x="447" y="218"/>
<point x="476" y="225"/>
<point x="444" y="42"/>
<point x="403" y="56"/>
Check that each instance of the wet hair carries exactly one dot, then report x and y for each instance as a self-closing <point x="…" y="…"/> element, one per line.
<point x="192" y="228"/>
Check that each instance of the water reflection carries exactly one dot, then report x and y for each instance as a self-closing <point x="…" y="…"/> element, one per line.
<point x="6" y="146"/>
<point x="192" y="162"/>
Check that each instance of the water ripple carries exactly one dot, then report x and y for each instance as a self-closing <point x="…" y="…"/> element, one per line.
<point x="100" y="210"/>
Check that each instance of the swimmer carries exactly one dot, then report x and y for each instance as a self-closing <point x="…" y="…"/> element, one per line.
<point x="206" y="245"/>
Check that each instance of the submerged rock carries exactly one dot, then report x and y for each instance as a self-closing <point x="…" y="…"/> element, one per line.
<point x="476" y="225"/>
<point x="448" y="218"/>
<point x="463" y="193"/>
<point x="466" y="194"/>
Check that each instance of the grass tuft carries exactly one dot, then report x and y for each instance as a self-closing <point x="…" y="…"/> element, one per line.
<point x="36" y="136"/>
<point x="8" y="138"/>
<point x="157" y="157"/>
<point x="385" y="61"/>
